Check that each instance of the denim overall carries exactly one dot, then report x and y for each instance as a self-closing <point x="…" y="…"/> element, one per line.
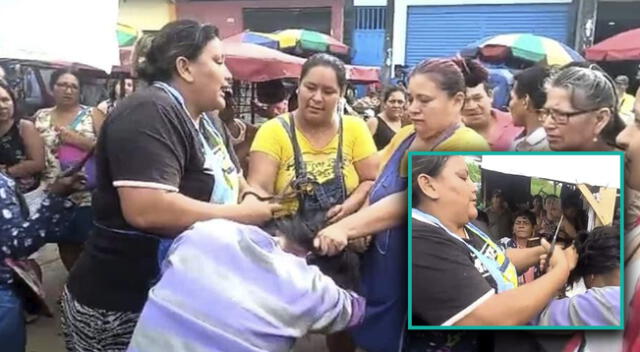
<point x="321" y="197"/>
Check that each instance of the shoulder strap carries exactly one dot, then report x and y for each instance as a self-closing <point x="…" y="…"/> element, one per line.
<point x="297" y="153"/>
<point x="86" y="111"/>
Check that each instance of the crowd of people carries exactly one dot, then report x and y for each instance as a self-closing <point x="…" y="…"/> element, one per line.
<point x="186" y="228"/>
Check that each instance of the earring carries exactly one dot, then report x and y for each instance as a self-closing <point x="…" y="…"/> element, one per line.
<point x="595" y="139"/>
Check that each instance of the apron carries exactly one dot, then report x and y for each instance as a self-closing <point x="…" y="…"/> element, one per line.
<point x="384" y="270"/>
<point x="501" y="270"/>
<point x="217" y="163"/>
<point x="383" y="266"/>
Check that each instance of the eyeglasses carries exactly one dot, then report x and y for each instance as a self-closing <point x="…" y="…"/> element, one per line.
<point x="562" y="117"/>
<point x="65" y="86"/>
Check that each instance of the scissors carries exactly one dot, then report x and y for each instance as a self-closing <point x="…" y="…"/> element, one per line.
<point x="553" y="244"/>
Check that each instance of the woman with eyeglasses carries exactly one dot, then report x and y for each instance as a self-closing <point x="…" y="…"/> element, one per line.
<point x="69" y="130"/>
<point x="581" y="110"/>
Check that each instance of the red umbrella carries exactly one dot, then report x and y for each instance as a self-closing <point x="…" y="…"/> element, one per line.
<point x="623" y="46"/>
<point x="255" y="63"/>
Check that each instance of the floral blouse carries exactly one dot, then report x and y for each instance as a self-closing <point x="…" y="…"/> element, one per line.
<point x="21" y="236"/>
<point x="45" y="126"/>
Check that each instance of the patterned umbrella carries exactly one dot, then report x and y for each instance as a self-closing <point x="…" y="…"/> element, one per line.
<point x="296" y="41"/>
<point x="127" y="35"/>
<point x="525" y="46"/>
<point x="305" y="40"/>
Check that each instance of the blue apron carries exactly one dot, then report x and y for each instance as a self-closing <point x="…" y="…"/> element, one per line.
<point x="384" y="270"/>
<point x="217" y="163"/>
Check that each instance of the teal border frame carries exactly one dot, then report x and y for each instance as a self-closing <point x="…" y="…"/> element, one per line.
<point x="515" y="327"/>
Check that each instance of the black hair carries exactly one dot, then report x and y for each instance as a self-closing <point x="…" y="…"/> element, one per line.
<point x="55" y="76"/>
<point x="271" y="92"/>
<point x="392" y="89"/>
<point x="537" y="196"/>
<point x="590" y="88"/>
<point x="302" y="230"/>
<point x="183" y="38"/>
<point x="118" y="82"/>
<point x="530" y="82"/>
<point x="330" y="61"/>
<point x="525" y="214"/>
<point x="4" y="85"/>
<point x="474" y="74"/>
<point x="598" y="252"/>
<point x="430" y="165"/>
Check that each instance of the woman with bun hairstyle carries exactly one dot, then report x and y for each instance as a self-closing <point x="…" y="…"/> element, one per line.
<point x="162" y="166"/>
<point x="492" y="124"/>
<point x="436" y="95"/>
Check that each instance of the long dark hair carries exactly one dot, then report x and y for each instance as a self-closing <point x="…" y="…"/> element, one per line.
<point x="598" y="252"/>
<point x="183" y="38"/>
<point x="4" y="85"/>
<point x="302" y="230"/>
<point x="330" y="61"/>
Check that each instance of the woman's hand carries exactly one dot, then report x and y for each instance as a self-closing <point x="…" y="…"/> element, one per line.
<point x="331" y="240"/>
<point x="256" y="212"/>
<point x="339" y="211"/>
<point x="69" y="136"/>
<point x="66" y="186"/>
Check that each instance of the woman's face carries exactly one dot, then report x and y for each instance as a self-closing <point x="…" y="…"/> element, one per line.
<point x="210" y="77"/>
<point x="517" y="108"/>
<point x="431" y="109"/>
<point x="318" y="95"/>
<point x="578" y="132"/>
<point x="477" y="107"/>
<point x="6" y="106"/>
<point x="128" y="87"/>
<point x="522" y="227"/>
<point x="629" y="140"/>
<point x="66" y="91"/>
<point x="552" y="207"/>
<point x="453" y="190"/>
<point x="395" y="106"/>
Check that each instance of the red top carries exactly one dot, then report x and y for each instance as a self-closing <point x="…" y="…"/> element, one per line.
<point x="504" y="132"/>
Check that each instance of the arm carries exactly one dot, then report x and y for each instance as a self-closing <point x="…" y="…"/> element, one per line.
<point x="169" y="213"/>
<point x="524" y="258"/>
<point x="372" y="124"/>
<point x="34" y="147"/>
<point x="68" y="135"/>
<point x="263" y="170"/>
<point x="522" y="304"/>
<point x="366" y="170"/>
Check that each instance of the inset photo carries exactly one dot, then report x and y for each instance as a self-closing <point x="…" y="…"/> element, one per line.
<point x="527" y="241"/>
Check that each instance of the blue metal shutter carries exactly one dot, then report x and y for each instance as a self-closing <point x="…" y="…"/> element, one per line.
<point x="368" y="36"/>
<point x="441" y="31"/>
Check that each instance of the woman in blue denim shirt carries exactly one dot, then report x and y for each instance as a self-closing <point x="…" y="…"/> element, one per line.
<point x="22" y="235"/>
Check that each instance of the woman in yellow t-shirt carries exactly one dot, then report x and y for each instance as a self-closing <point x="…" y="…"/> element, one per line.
<point x="316" y="146"/>
<point x="436" y="96"/>
<point x="336" y="151"/>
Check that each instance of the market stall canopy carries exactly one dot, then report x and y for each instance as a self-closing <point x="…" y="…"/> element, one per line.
<point x="525" y="46"/>
<point x="593" y="170"/>
<point x="69" y="31"/>
<point x="623" y="46"/>
<point x="256" y="63"/>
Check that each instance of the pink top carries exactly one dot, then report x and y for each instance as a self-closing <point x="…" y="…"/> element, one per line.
<point x="504" y="132"/>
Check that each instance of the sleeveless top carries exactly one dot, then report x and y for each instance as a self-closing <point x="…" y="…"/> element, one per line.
<point x="12" y="152"/>
<point x="383" y="134"/>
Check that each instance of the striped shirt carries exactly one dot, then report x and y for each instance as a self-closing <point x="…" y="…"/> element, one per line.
<point x="229" y="287"/>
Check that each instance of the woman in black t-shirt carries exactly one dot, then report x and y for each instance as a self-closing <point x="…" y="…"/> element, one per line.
<point x="162" y="166"/>
<point x="460" y="276"/>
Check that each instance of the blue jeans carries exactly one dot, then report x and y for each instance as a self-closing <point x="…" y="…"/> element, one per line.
<point x="12" y="329"/>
